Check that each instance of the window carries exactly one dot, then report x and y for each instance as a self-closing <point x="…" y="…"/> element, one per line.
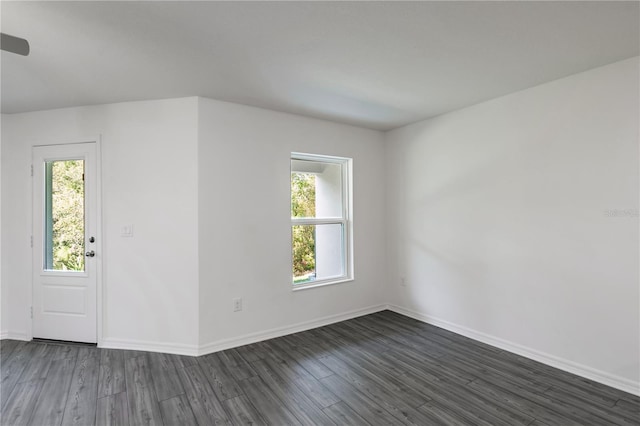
<point x="64" y="216"/>
<point x="320" y="220"/>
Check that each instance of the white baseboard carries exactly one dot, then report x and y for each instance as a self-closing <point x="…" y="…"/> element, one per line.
<point x="194" y="350"/>
<point x="599" y="376"/>
<point x="246" y="339"/>
<point x="141" y="345"/>
<point x="12" y="336"/>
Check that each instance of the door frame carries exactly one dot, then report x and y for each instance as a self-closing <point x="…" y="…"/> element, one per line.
<point x="99" y="243"/>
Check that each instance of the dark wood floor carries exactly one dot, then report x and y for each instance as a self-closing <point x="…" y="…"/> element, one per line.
<point x="379" y="369"/>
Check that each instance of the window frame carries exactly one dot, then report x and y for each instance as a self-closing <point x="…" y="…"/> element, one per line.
<point x="346" y="220"/>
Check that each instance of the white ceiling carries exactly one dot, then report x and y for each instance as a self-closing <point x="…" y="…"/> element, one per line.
<point x="374" y="64"/>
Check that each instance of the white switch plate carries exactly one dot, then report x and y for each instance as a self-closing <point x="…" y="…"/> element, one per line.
<point x="126" y="231"/>
<point x="237" y="305"/>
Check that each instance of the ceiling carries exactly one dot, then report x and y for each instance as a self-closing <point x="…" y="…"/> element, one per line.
<point x="374" y="64"/>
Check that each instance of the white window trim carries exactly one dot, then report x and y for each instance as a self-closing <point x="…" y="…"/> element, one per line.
<point x="346" y="220"/>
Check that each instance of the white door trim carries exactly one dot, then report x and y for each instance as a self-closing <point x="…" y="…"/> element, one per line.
<point x="99" y="236"/>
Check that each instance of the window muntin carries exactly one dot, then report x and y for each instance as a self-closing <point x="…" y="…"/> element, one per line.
<point x="320" y="220"/>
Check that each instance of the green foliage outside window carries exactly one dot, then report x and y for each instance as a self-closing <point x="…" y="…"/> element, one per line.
<point x="303" y="204"/>
<point x="67" y="196"/>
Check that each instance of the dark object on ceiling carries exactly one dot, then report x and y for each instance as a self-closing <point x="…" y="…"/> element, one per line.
<point x="13" y="44"/>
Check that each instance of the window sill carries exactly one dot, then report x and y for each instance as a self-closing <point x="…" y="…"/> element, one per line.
<point x="321" y="284"/>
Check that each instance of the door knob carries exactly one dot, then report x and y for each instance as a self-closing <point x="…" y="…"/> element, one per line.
<point x="90" y="253"/>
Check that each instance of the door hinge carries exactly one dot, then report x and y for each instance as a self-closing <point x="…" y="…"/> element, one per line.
<point x="32" y="170"/>
<point x="32" y="312"/>
<point x="31" y="241"/>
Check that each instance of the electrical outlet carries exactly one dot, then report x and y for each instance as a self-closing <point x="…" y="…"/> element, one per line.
<point x="237" y="305"/>
<point x="126" y="231"/>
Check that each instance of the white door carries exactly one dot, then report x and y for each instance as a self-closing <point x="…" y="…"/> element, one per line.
<point x="65" y="246"/>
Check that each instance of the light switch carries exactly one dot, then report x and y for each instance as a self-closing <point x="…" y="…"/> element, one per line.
<point x="126" y="231"/>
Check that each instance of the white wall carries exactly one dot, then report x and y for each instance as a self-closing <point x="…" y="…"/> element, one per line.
<point x="499" y="224"/>
<point x="244" y="212"/>
<point x="149" y="176"/>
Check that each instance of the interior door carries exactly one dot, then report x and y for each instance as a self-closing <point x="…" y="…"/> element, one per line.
<point x="65" y="249"/>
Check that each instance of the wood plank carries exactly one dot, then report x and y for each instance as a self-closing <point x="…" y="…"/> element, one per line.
<point x="362" y="341"/>
<point x="182" y="361"/>
<point x="176" y="411"/>
<point x="628" y="406"/>
<point x="220" y="378"/>
<point x="365" y="407"/>
<point x="141" y="397"/>
<point x="252" y="352"/>
<point x="430" y="336"/>
<point x="309" y="345"/>
<point x="597" y="392"/>
<point x="374" y="374"/>
<point x="18" y="349"/>
<point x="291" y="396"/>
<point x="342" y="414"/>
<point x="112" y="410"/>
<point x="539" y="408"/>
<point x="492" y="374"/>
<point x="52" y="401"/>
<point x="266" y="403"/>
<point x="80" y="408"/>
<point x="12" y="368"/>
<point x="128" y="354"/>
<point x="586" y="405"/>
<point x="6" y="347"/>
<point x="428" y="370"/>
<point x="591" y="392"/>
<point x="239" y="368"/>
<point x="241" y="412"/>
<point x="469" y="400"/>
<point x="85" y="352"/>
<point x="19" y="406"/>
<point x="393" y="402"/>
<point x="300" y="355"/>
<point x="354" y="326"/>
<point x="39" y="362"/>
<point x="441" y="415"/>
<point x="111" y="376"/>
<point x="415" y="339"/>
<point x="629" y="398"/>
<point x="165" y="377"/>
<point x="564" y="410"/>
<point x="204" y="403"/>
<point x="64" y="352"/>
<point x="314" y="389"/>
<point x="420" y="328"/>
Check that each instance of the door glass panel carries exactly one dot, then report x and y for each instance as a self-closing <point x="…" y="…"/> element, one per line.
<point x="64" y="216"/>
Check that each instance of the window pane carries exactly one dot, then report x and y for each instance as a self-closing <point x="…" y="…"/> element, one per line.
<point x="64" y="215"/>
<point x="316" y="189"/>
<point x="318" y="252"/>
<point x="303" y="195"/>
